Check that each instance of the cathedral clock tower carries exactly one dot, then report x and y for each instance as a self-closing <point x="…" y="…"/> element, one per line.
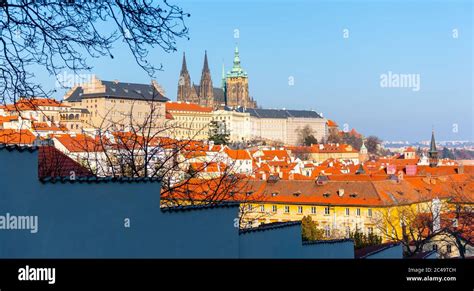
<point x="237" y="86"/>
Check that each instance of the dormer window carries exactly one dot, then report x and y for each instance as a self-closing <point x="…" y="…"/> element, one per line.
<point x="297" y="193"/>
<point x="353" y="195"/>
<point x="275" y="193"/>
<point x="326" y="195"/>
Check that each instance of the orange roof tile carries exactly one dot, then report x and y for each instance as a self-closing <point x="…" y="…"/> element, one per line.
<point x="33" y="104"/>
<point x="238" y="154"/>
<point x="43" y="126"/>
<point x="79" y="143"/>
<point x="20" y="137"/>
<point x="184" y="106"/>
<point x="331" y="123"/>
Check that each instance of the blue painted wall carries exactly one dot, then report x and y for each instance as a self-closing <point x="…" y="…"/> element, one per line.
<point x="86" y="220"/>
<point x="274" y="243"/>
<point x="81" y="220"/>
<point x="329" y="250"/>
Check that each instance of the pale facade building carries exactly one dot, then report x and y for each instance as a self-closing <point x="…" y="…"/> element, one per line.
<point x="284" y="125"/>
<point x="115" y="105"/>
<point x="188" y="121"/>
<point x="237" y="124"/>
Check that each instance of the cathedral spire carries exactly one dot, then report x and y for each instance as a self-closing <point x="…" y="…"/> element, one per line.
<point x="236" y="67"/>
<point x="184" y="67"/>
<point x="433" y="143"/>
<point x="206" y="90"/>
<point x="205" y="68"/>
<point x="184" y="84"/>
<point x="433" y="152"/>
<point x="237" y="70"/>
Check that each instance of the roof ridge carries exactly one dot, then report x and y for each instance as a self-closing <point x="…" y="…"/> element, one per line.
<point x="382" y="248"/>
<point x="220" y="204"/>
<point x="329" y="241"/>
<point x="95" y="179"/>
<point x="12" y="147"/>
<point x="264" y="227"/>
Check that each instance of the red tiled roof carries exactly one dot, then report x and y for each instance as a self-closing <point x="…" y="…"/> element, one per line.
<point x="367" y="251"/>
<point x="331" y="123"/>
<point x="43" y="126"/>
<point x="33" y="104"/>
<point x="323" y="148"/>
<point x="361" y="191"/>
<point x="410" y="150"/>
<point x="184" y="106"/>
<point x="8" y="118"/>
<point x="79" y="143"/>
<point x="271" y="154"/>
<point x="53" y="163"/>
<point x="238" y="154"/>
<point x="12" y="136"/>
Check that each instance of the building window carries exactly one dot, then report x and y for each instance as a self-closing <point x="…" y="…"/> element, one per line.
<point x="313" y="210"/>
<point x="347" y="211"/>
<point x="262" y="208"/>
<point x="274" y="208"/>
<point x="327" y="231"/>
<point x="358" y="211"/>
<point x="326" y="210"/>
<point x="287" y="209"/>
<point x="249" y="207"/>
<point x="435" y="247"/>
<point x="300" y="209"/>
<point x="369" y="212"/>
<point x="370" y="230"/>
<point x="448" y="249"/>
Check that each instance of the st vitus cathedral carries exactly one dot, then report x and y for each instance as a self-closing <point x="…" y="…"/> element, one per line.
<point x="234" y="90"/>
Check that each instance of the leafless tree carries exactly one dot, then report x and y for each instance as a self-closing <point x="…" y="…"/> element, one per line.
<point x="457" y="224"/>
<point x="448" y="220"/>
<point x="57" y="35"/>
<point x="410" y="224"/>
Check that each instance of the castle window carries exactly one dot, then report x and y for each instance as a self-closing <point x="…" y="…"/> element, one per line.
<point x="358" y="212"/>
<point x="327" y="231"/>
<point x="274" y="208"/>
<point x="347" y="211"/>
<point x="300" y="209"/>
<point x="326" y="210"/>
<point x="369" y="212"/>
<point x="287" y="209"/>
<point x="370" y="230"/>
<point x="313" y="210"/>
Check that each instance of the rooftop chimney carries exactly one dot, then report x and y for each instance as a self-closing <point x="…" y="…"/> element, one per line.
<point x="340" y="192"/>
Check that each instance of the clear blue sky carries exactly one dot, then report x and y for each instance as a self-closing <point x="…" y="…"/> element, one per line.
<point x="337" y="76"/>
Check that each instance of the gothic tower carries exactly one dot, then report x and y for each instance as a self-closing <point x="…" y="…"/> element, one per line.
<point x="237" y="87"/>
<point x="433" y="152"/>
<point x="206" y="93"/>
<point x="186" y="91"/>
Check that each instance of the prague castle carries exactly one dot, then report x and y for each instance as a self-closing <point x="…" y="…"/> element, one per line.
<point x="234" y="90"/>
